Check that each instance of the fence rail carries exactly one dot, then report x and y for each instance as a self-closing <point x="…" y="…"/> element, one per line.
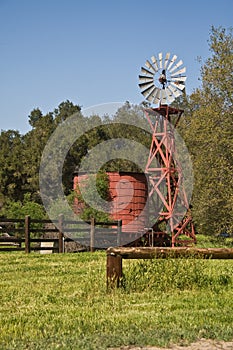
<point x="116" y="254"/>
<point x="63" y="228"/>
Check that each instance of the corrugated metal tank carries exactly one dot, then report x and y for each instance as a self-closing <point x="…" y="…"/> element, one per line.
<point x="128" y="192"/>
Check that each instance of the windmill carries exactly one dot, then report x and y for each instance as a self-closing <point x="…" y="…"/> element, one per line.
<point x="161" y="81"/>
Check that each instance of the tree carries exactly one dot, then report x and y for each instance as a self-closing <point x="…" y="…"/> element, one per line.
<point x="19" y="209"/>
<point x="12" y="173"/>
<point x="34" y="143"/>
<point x="65" y="110"/>
<point x="96" y="188"/>
<point x="130" y="127"/>
<point x="35" y="140"/>
<point x="34" y="117"/>
<point x="208" y="134"/>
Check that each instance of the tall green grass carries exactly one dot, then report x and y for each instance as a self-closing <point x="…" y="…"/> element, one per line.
<point x="166" y="275"/>
<point x="204" y="241"/>
<point x="60" y="301"/>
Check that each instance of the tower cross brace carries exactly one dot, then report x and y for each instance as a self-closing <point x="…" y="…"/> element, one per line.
<point x="167" y="194"/>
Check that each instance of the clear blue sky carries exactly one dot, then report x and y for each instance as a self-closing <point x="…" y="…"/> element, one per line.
<point x="90" y="52"/>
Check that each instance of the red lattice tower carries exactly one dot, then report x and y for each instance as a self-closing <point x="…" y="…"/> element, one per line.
<point x="169" y="204"/>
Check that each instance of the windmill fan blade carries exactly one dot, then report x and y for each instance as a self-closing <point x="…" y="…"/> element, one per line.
<point x="156" y="100"/>
<point x="152" y="94"/>
<point x="177" y="65"/>
<point x="146" y="85"/>
<point x="162" y="78"/>
<point x="163" y="97"/>
<point x="155" y="63"/>
<point x="170" y="97"/>
<point x="146" y="78"/>
<point x="148" y="91"/>
<point x="175" y="92"/>
<point x="146" y="71"/>
<point x="157" y="96"/>
<point x="171" y="62"/>
<point x="179" y="78"/>
<point x="181" y="71"/>
<point x="178" y="85"/>
<point x="166" y="60"/>
<point x="160" y="60"/>
<point x="149" y="65"/>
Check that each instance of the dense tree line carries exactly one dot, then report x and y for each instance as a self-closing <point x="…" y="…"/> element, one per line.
<point x="208" y="132"/>
<point x="206" y="127"/>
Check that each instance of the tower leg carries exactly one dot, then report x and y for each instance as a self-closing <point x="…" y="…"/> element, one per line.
<point x="167" y="192"/>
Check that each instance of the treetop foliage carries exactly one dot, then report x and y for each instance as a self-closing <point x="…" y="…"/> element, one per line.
<point x="206" y="127"/>
<point x="207" y="131"/>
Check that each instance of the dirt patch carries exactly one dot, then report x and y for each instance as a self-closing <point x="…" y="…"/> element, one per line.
<point x="202" y="344"/>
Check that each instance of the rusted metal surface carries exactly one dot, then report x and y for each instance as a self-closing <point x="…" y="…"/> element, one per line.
<point x="128" y="193"/>
<point x="167" y="192"/>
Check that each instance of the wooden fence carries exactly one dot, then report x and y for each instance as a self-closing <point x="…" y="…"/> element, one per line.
<point x="24" y="231"/>
<point x="116" y="254"/>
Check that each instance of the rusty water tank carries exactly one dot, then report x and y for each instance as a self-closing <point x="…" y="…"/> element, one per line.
<point x="128" y="192"/>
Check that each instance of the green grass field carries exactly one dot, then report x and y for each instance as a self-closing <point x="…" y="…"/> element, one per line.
<point x="59" y="301"/>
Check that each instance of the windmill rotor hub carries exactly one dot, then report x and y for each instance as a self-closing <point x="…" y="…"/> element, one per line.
<point x="162" y="79"/>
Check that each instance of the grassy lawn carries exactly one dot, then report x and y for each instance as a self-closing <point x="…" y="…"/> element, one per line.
<point x="59" y="301"/>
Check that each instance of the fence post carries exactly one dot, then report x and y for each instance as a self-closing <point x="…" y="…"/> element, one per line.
<point x="92" y="235"/>
<point x="27" y="234"/>
<point x="119" y="230"/>
<point x="114" y="270"/>
<point x="60" y="234"/>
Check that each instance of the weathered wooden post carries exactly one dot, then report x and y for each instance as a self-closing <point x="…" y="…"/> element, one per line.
<point x="27" y="234"/>
<point x="119" y="230"/>
<point x="114" y="270"/>
<point x="116" y="254"/>
<point x="92" y="235"/>
<point x="60" y="234"/>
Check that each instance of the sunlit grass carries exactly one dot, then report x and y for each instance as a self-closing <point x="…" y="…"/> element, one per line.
<point x="59" y="301"/>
